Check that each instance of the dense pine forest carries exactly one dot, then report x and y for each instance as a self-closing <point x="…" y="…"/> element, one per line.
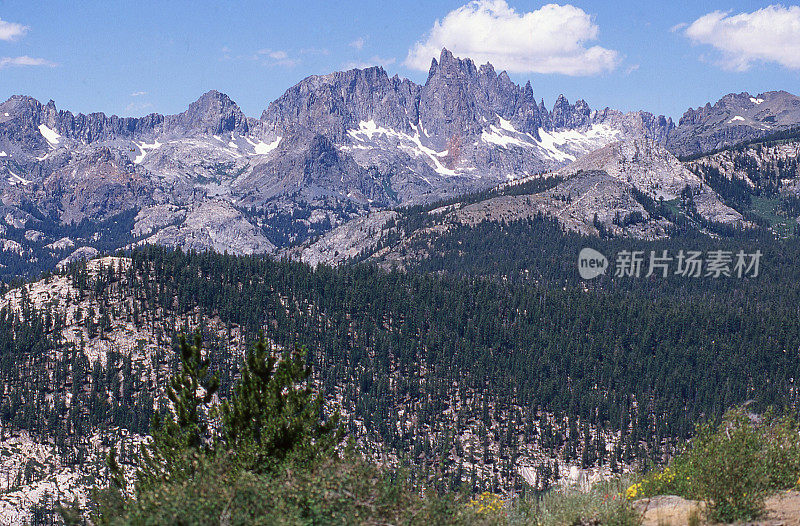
<point x="458" y="375"/>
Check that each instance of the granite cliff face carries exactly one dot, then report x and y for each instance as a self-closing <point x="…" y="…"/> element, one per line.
<point x="616" y="190"/>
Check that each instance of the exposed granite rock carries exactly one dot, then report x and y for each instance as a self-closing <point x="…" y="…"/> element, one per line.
<point x="214" y="225"/>
<point x="652" y="170"/>
<point x="355" y="237"/>
<point x="78" y="255"/>
<point x="734" y="118"/>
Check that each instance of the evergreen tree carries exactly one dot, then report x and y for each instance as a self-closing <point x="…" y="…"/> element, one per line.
<point x="274" y="414"/>
<point x="183" y="432"/>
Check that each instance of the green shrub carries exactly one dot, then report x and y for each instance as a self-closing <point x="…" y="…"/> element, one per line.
<point x="604" y="504"/>
<point x="780" y="452"/>
<point x="332" y="492"/>
<point x="731" y="466"/>
<point x="730" y="471"/>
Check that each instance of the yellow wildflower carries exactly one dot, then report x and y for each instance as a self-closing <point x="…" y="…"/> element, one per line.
<point x="634" y="490"/>
<point x="486" y="502"/>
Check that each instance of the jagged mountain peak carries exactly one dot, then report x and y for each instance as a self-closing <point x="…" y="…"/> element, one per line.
<point x="333" y="103"/>
<point x="458" y="101"/>
<point x="464" y="69"/>
<point x="568" y="116"/>
<point x="213" y="113"/>
<point x="212" y="100"/>
<point x="451" y="66"/>
<point x="735" y="117"/>
<point x="355" y="136"/>
<point x="20" y="104"/>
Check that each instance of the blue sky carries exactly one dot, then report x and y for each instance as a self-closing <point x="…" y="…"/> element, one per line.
<point x="134" y="58"/>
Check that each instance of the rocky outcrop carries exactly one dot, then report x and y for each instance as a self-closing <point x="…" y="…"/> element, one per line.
<point x="651" y="170"/>
<point x="78" y="255"/>
<point x="94" y="185"/>
<point x="350" y="240"/>
<point x="213" y="225"/>
<point x="734" y="118"/>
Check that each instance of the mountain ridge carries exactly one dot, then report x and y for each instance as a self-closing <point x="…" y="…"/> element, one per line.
<point x="331" y="149"/>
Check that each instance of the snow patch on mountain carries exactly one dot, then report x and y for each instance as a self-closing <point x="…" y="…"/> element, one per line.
<point x="369" y="131"/>
<point x="567" y="145"/>
<point x="504" y="124"/>
<point x="263" y="148"/>
<point x="143" y="147"/>
<point x="49" y="135"/>
<point x="495" y="137"/>
<point x="16" y="179"/>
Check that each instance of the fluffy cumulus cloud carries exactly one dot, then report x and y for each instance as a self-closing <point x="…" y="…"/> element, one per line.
<point x="24" y="61"/>
<point x="10" y="30"/>
<point x="771" y="34"/>
<point x="552" y="39"/>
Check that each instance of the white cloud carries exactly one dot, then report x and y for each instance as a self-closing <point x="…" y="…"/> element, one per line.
<point x="138" y="93"/>
<point x="358" y="43"/>
<point x="374" y="61"/>
<point x="275" y="57"/>
<point x="678" y="27"/>
<point x="551" y="39"/>
<point x="770" y="34"/>
<point x="630" y="69"/>
<point x="9" y="30"/>
<point x="24" y="61"/>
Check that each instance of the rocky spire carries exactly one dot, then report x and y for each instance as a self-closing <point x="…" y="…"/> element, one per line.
<point x="213" y="113"/>
<point x="568" y="116"/>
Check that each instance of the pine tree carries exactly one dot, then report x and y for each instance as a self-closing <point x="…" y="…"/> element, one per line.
<point x="183" y="433"/>
<point x="274" y="414"/>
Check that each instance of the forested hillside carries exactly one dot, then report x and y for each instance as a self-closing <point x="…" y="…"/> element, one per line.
<point x="478" y="382"/>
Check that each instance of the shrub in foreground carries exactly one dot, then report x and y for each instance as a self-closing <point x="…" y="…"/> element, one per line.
<point x="732" y="466"/>
<point x="332" y="492"/>
<point x="603" y="504"/>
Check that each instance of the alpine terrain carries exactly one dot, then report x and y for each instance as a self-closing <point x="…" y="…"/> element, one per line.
<point x="363" y="307"/>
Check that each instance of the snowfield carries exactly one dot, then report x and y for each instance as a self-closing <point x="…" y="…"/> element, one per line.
<point x="263" y="148"/>
<point x="143" y="147"/>
<point x="49" y="135"/>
